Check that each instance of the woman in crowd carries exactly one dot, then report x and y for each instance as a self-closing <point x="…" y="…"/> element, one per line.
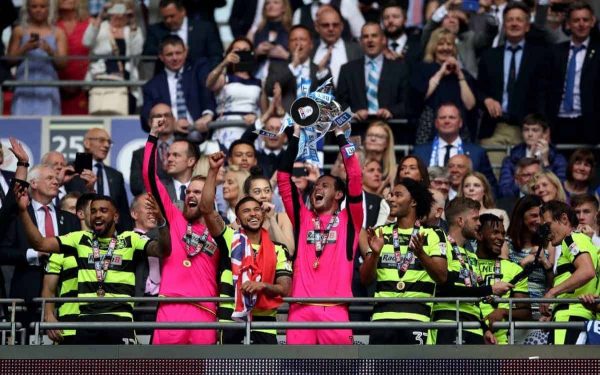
<point x="476" y="186"/>
<point x="412" y="167"/>
<point x="237" y="91"/>
<point x="71" y="19"/>
<point x="117" y="35"/>
<point x="439" y="180"/>
<point x="580" y="173"/>
<point x="44" y="46"/>
<point x="524" y="241"/>
<point x="271" y="37"/>
<point x="277" y="223"/>
<point x="440" y="79"/>
<point x="233" y="186"/>
<point x="378" y="145"/>
<point x="547" y="186"/>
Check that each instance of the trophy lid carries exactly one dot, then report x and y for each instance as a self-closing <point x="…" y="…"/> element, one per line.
<point x="305" y="111"/>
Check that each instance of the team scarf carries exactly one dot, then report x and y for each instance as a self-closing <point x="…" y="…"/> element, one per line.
<point x="246" y="265"/>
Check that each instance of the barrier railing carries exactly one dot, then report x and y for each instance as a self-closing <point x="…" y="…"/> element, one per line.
<point x="11" y="325"/>
<point x="457" y="324"/>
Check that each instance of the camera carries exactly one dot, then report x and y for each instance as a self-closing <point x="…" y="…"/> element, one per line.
<point x="543" y="232"/>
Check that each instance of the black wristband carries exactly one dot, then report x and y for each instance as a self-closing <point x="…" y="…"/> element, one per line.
<point x="23" y="164"/>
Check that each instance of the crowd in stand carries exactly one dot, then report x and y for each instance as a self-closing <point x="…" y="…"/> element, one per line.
<point x="234" y="212"/>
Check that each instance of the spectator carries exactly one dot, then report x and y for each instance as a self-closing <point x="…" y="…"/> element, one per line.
<point x="233" y="190"/>
<point x="109" y="181"/>
<point x="373" y="86"/>
<point x="436" y="213"/>
<point x="65" y="173"/>
<point x="237" y="91"/>
<point x="512" y="80"/>
<point x="574" y="94"/>
<point x="378" y="144"/>
<point x="352" y="18"/>
<point x="449" y="143"/>
<point x="411" y="201"/>
<point x="44" y="47"/>
<point x="165" y="138"/>
<point x="6" y="177"/>
<point x="580" y="173"/>
<point x="575" y="275"/>
<point x="17" y="250"/>
<point x="181" y="160"/>
<point x="475" y="186"/>
<point x="243" y="154"/>
<point x="277" y="223"/>
<point x="290" y="74"/>
<point x="439" y="80"/>
<point x="73" y="100"/>
<point x="469" y="43"/>
<point x="412" y="167"/>
<point x="586" y="208"/>
<point x="271" y="37"/>
<point x="400" y="45"/>
<point x="7" y="18"/>
<point x="68" y="203"/>
<point x="525" y="169"/>
<point x="439" y="180"/>
<point x="547" y="186"/>
<point x="376" y="208"/>
<point x="536" y="144"/>
<point x="458" y="167"/>
<point x="118" y="36"/>
<point x="493" y="268"/>
<point x="181" y="86"/>
<point x="331" y="50"/>
<point x="200" y="37"/>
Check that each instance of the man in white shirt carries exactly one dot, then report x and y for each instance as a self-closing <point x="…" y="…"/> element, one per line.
<point x="332" y="51"/>
<point x="399" y="44"/>
<point x="349" y="11"/>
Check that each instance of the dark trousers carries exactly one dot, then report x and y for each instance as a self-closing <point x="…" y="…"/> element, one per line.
<point x="234" y="336"/>
<point x="397" y="336"/>
<point x="105" y="336"/>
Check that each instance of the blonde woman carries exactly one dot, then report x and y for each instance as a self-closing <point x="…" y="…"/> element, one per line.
<point x="440" y="79"/>
<point x="45" y="46"/>
<point x="271" y="37"/>
<point x="547" y="186"/>
<point x="233" y="190"/>
<point x="476" y="186"/>
<point x="378" y="144"/>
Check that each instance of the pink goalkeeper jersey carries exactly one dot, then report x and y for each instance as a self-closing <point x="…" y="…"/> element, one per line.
<point x="333" y="276"/>
<point x="177" y="280"/>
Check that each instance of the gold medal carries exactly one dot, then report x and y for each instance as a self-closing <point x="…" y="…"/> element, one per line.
<point x="316" y="264"/>
<point x="100" y="292"/>
<point x="187" y="263"/>
<point x="401" y="285"/>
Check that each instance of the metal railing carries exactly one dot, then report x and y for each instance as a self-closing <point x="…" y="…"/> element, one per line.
<point x="11" y="325"/>
<point x="457" y="324"/>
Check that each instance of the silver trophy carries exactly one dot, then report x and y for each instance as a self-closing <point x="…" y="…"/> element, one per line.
<point x="319" y="110"/>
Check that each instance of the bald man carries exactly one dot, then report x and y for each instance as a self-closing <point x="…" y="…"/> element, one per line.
<point x="458" y="167"/>
<point x="109" y="181"/>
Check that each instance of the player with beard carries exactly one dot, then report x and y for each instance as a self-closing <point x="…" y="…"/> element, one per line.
<point x="191" y="269"/>
<point x="493" y="269"/>
<point x="463" y="220"/>
<point x="248" y="247"/>
<point x="325" y="237"/>
<point x="106" y="263"/>
<point x="407" y="260"/>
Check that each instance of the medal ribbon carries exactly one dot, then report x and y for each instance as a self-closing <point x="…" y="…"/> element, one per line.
<point x="467" y="274"/>
<point x="403" y="262"/>
<point x="321" y="240"/>
<point x="101" y="265"/>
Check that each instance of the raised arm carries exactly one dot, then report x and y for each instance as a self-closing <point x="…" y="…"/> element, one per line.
<point x="354" y="173"/>
<point x="162" y="247"/>
<point x="214" y="221"/>
<point x="39" y="243"/>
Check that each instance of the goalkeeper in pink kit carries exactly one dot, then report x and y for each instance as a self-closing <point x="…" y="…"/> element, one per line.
<point x="326" y="238"/>
<point x="191" y="269"/>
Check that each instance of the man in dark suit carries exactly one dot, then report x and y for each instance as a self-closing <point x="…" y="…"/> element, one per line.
<point x="109" y="181"/>
<point x="448" y="143"/>
<point x="400" y="44"/>
<point x="269" y="156"/>
<point x="331" y="50"/>
<point x="574" y="94"/>
<point x="182" y="86"/>
<point x="15" y="249"/>
<point x="373" y="86"/>
<point x="181" y="161"/>
<point x="290" y="74"/>
<point x="512" y="80"/>
<point x="165" y="138"/>
<point x="5" y="178"/>
<point x="200" y="37"/>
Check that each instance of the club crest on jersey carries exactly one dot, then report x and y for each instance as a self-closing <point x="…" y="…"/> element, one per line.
<point x="573" y="249"/>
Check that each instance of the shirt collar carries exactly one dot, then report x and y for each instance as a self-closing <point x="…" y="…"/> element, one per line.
<point x="378" y="60"/>
<point x="184" y="26"/>
<point x="338" y="43"/>
<point x="171" y="73"/>
<point x="37" y="205"/>
<point x="456" y="142"/>
<point x="585" y="43"/>
<point x="509" y="44"/>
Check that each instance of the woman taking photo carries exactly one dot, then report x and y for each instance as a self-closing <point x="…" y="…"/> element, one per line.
<point x="440" y="79"/>
<point x="237" y="92"/>
<point x="44" y="46"/>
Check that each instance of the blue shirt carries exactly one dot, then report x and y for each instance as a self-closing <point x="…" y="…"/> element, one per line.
<point x="507" y="58"/>
<point x="378" y="66"/>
